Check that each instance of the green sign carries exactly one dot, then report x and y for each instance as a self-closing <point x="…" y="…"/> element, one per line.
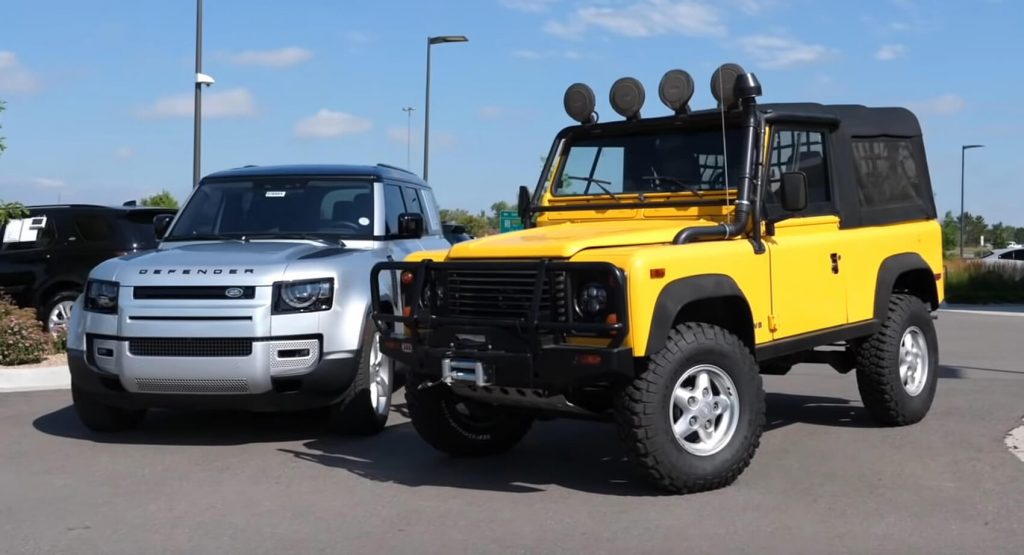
<point x="509" y="220"/>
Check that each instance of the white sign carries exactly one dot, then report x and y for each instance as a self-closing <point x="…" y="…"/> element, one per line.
<point x="24" y="230"/>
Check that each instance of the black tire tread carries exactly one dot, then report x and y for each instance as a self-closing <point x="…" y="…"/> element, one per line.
<point x="879" y="386"/>
<point x="354" y="414"/>
<point x="634" y="416"/>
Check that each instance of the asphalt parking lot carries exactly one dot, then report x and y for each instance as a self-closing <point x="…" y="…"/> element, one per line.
<point x="825" y="479"/>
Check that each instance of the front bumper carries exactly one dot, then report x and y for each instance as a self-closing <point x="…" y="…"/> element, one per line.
<point x="245" y="383"/>
<point x="531" y="352"/>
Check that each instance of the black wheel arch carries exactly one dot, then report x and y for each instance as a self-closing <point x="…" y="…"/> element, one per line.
<point x="710" y="298"/>
<point x="905" y="272"/>
<point x="53" y="286"/>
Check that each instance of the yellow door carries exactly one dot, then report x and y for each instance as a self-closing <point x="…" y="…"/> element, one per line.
<point x="808" y="285"/>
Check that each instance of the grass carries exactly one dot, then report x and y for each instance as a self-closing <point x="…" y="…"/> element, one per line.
<point x="974" y="282"/>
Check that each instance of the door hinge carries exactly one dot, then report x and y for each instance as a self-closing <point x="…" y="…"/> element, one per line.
<point x="835" y="262"/>
<point x="773" y="324"/>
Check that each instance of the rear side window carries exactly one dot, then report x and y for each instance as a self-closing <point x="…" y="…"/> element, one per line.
<point x="393" y="206"/>
<point x="94" y="228"/>
<point x="430" y="213"/>
<point x="889" y="175"/>
<point x="1012" y="255"/>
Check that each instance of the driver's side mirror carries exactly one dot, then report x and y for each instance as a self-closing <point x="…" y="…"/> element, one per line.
<point x="410" y="225"/>
<point x="523" y="204"/>
<point x="161" y="223"/>
<point x="794" y="191"/>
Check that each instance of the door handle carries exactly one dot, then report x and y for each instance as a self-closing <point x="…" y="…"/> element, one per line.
<point x="835" y="262"/>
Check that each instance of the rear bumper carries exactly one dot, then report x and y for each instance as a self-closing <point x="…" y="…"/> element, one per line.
<point x="324" y="385"/>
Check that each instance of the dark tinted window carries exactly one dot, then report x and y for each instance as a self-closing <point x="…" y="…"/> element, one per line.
<point x="393" y="206"/>
<point x="887" y="172"/>
<point x="94" y="228"/>
<point x="276" y="207"/>
<point x="800" y="151"/>
<point x="1012" y="255"/>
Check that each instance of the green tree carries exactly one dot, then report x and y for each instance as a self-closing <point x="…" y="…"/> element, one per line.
<point x="477" y="225"/>
<point x="950" y="232"/>
<point x="3" y="146"/>
<point x="163" y="199"/>
<point x="1000" y="235"/>
<point x="1018" y="235"/>
<point x="11" y="210"/>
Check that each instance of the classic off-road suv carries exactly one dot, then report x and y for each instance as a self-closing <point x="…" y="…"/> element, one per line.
<point x="257" y="299"/>
<point x="670" y="262"/>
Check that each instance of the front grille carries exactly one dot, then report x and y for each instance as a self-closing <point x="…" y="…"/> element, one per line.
<point x="202" y="292"/>
<point x="502" y="294"/>
<point x="190" y="347"/>
<point x="172" y="385"/>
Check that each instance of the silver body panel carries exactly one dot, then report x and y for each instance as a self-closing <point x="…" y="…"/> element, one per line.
<point x="257" y="264"/>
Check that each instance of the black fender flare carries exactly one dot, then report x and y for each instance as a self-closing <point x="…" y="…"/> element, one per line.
<point x="681" y="292"/>
<point x="47" y="287"/>
<point x="888" y="272"/>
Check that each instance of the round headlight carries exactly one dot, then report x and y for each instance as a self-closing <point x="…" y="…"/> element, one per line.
<point x="303" y="295"/>
<point x="592" y="300"/>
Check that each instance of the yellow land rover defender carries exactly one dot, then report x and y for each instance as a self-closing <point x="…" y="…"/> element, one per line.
<point x="668" y="263"/>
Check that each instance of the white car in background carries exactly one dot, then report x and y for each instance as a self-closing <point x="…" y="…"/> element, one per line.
<point x="1012" y="256"/>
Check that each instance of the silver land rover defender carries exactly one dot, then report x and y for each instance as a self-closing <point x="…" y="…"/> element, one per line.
<point x="257" y="298"/>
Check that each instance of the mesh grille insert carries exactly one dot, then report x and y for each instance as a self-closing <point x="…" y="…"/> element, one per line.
<point x="190" y="347"/>
<point x="153" y="385"/>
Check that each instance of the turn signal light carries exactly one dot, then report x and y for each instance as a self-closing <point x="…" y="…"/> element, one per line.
<point x="588" y="360"/>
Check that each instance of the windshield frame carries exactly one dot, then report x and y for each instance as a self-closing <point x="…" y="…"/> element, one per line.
<point x="371" y="183"/>
<point x="545" y="200"/>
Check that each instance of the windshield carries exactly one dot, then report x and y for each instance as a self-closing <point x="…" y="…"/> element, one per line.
<point x="668" y="161"/>
<point x="277" y="208"/>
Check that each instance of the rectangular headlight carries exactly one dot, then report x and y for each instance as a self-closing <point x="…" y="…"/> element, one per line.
<point x="303" y="296"/>
<point x="101" y="296"/>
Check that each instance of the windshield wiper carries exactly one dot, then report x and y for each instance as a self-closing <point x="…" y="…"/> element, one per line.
<point x="684" y="183"/>
<point x="205" y="237"/>
<point x="304" y="236"/>
<point x="599" y="182"/>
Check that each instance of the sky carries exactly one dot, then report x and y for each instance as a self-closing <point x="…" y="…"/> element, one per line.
<point x="99" y="94"/>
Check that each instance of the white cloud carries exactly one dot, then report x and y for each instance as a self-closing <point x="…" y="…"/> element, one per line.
<point x="524" y="54"/>
<point x="401" y="135"/>
<point x="124" y="152"/>
<point x="47" y="183"/>
<point x="533" y="6"/>
<point x="234" y="103"/>
<point x="328" y="124"/>
<point x="780" y="52"/>
<point x="14" y="77"/>
<point x="491" y="112"/>
<point x="890" y="52"/>
<point x="943" y="105"/>
<point x="282" y="57"/>
<point x="646" y="18"/>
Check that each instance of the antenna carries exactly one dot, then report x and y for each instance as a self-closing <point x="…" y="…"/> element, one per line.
<point x="408" y="136"/>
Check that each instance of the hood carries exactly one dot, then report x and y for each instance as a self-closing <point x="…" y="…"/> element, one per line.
<point x="213" y="263"/>
<point x="568" y="239"/>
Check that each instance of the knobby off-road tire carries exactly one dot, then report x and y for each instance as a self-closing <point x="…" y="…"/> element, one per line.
<point x="461" y="427"/>
<point x="650" y="411"/>
<point x="891" y="362"/>
<point x="103" y="418"/>
<point x="365" y="407"/>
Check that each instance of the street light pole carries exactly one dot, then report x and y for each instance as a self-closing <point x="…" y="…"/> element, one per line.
<point x="963" y="150"/>
<point x="197" y="124"/>
<point x="431" y="41"/>
<point x="408" y="137"/>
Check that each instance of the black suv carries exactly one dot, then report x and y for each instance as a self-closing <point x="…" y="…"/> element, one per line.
<point x="46" y="256"/>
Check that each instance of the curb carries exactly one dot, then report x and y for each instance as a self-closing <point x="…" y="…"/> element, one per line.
<point x="34" y="379"/>
<point x="984" y="310"/>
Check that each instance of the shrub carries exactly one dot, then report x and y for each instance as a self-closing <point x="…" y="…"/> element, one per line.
<point x="973" y="281"/>
<point x="22" y="339"/>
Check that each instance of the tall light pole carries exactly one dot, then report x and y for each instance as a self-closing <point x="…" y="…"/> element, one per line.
<point x="201" y="80"/>
<point x="431" y="41"/>
<point x="408" y="137"/>
<point x="963" y="150"/>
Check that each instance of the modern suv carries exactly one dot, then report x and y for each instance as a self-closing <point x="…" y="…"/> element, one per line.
<point x="257" y="298"/>
<point x="670" y="262"/>
<point x="46" y="256"/>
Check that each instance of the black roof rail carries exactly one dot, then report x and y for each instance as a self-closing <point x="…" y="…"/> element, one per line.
<point x="390" y="167"/>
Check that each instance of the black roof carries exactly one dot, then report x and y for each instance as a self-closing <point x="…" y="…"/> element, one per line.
<point x="100" y="207"/>
<point x="379" y="171"/>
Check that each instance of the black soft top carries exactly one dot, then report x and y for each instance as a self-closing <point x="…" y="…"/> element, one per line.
<point x="855" y="119"/>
